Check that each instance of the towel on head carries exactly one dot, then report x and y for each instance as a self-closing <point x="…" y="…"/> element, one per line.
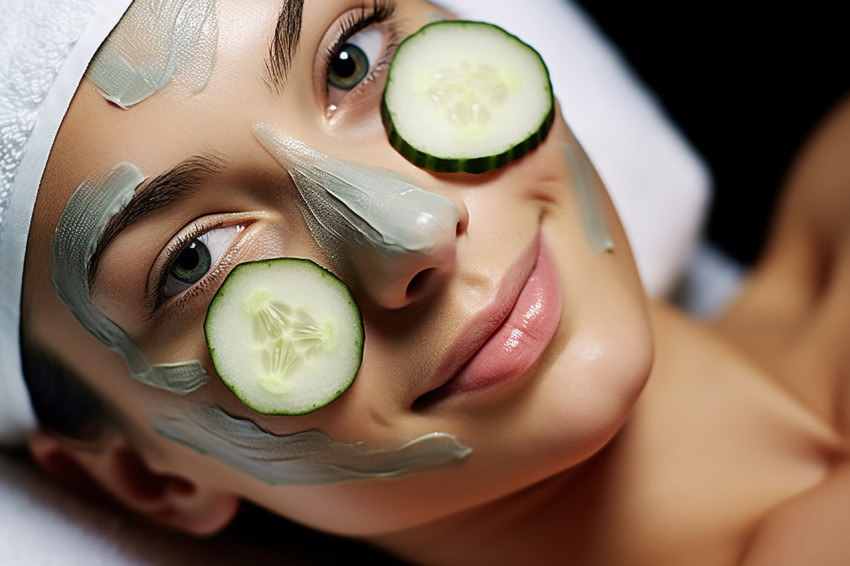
<point x="45" y="47"/>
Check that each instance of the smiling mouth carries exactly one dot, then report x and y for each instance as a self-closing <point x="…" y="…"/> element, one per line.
<point x="509" y="336"/>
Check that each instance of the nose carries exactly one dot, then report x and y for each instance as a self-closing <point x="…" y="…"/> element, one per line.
<point x="396" y="240"/>
<point x="395" y="277"/>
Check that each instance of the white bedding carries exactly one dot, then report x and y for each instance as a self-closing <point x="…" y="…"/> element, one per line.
<point x="658" y="184"/>
<point x="41" y="524"/>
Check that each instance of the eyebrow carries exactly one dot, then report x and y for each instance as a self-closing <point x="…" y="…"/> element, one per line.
<point x="173" y="186"/>
<point x="284" y="45"/>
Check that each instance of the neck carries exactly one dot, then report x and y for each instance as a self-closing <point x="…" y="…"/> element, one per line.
<point x="512" y="530"/>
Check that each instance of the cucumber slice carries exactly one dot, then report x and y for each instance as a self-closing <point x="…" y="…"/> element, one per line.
<point x="466" y="97"/>
<point x="285" y="335"/>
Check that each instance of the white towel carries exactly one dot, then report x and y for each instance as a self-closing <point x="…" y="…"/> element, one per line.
<point x="45" y="46"/>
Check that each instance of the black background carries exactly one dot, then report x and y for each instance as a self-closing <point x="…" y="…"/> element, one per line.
<point x="745" y="82"/>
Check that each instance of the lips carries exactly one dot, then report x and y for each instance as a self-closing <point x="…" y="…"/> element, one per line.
<point x="506" y="340"/>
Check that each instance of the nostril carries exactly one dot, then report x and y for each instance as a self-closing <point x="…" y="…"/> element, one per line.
<point x="419" y="282"/>
<point x="461" y="226"/>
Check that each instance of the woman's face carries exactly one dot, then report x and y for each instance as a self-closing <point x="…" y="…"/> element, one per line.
<point x="551" y="386"/>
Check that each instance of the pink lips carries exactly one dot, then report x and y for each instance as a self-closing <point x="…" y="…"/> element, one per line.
<point x="515" y="340"/>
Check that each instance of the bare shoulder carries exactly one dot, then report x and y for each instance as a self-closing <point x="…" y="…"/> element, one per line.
<point x="809" y="529"/>
<point x="793" y="319"/>
<point x="794" y="313"/>
<point x="809" y="227"/>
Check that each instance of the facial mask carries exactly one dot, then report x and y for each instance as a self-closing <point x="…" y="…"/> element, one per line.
<point x="157" y="42"/>
<point x="306" y="458"/>
<point x="83" y="221"/>
<point x="589" y="191"/>
<point x="351" y="203"/>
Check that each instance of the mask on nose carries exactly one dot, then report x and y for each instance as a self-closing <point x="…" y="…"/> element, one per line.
<point x="348" y="203"/>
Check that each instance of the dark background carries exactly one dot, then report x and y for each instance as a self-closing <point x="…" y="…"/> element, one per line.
<point x="746" y="83"/>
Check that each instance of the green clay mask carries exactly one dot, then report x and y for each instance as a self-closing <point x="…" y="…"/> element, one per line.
<point x="348" y="203"/>
<point x="157" y="43"/>
<point x="589" y="195"/>
<point x="82" y="223"/>
<point x="306" y="458"/>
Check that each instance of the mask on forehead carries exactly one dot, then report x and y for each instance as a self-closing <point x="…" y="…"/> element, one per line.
<point x="157" y="43"/>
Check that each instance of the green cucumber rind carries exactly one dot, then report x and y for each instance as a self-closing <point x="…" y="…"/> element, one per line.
<point x="474" y="165"/>
<point x="359" y="344"/>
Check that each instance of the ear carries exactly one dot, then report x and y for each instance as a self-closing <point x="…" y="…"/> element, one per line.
<point x="114" y="470"/>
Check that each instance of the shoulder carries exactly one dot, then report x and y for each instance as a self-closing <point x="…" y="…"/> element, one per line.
<point x="809" y="529"/>
<point x="794" y="313"/>
<point x="713" y="411"/>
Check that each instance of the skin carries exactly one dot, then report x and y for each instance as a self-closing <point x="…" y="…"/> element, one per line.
<point x="637" y="437"/>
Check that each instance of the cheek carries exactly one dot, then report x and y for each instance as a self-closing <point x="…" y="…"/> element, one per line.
<point x="601" y="374"/>
<point x="606" y="361"/>
<point x="594" y="371"/>
<point x="104" y="370"/>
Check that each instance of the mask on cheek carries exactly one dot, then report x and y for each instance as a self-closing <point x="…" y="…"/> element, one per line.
<point x="74" y="242"/>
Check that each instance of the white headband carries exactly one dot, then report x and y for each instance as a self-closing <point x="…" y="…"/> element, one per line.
<point x="45" y="47"/>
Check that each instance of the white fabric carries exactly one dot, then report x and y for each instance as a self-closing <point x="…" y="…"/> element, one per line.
<point x="710" y="283"/>
<point x="659" y="186"/>
<point x="43" y="524"/>
<point x="45" y="46"/>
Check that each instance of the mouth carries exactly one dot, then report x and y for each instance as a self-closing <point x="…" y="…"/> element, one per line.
<point x="505" y="340"/>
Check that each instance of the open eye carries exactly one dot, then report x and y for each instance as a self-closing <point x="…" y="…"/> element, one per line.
<point x="198" y="258"/>
<point x="353" y="62"/>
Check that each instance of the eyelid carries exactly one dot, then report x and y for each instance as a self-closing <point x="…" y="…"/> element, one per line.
<point x="379" y="14"/>
<point x="217" y="242"/>
<point x="372" y="41"/>
<point x="154" y="299"/>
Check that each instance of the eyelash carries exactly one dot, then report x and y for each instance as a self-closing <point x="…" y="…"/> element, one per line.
<point x="172" y="252"/>
<point x="380" y="12"/>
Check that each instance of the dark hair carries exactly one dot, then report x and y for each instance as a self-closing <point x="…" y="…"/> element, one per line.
<point x="61" y="399"/>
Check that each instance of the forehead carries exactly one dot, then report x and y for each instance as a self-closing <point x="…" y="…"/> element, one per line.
<point x="154" y="45"/>
<point x="97" y="134"/>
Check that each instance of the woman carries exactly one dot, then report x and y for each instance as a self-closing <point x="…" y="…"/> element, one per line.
<point x="572" y="418"/>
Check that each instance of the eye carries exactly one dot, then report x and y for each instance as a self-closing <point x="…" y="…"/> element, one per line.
<point x="198" y="258"/>
<point x="353" y="62"/>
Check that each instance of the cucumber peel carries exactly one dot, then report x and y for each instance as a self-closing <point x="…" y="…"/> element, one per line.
<point x="285" y="336"/>
<point x="466" y="97"/>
